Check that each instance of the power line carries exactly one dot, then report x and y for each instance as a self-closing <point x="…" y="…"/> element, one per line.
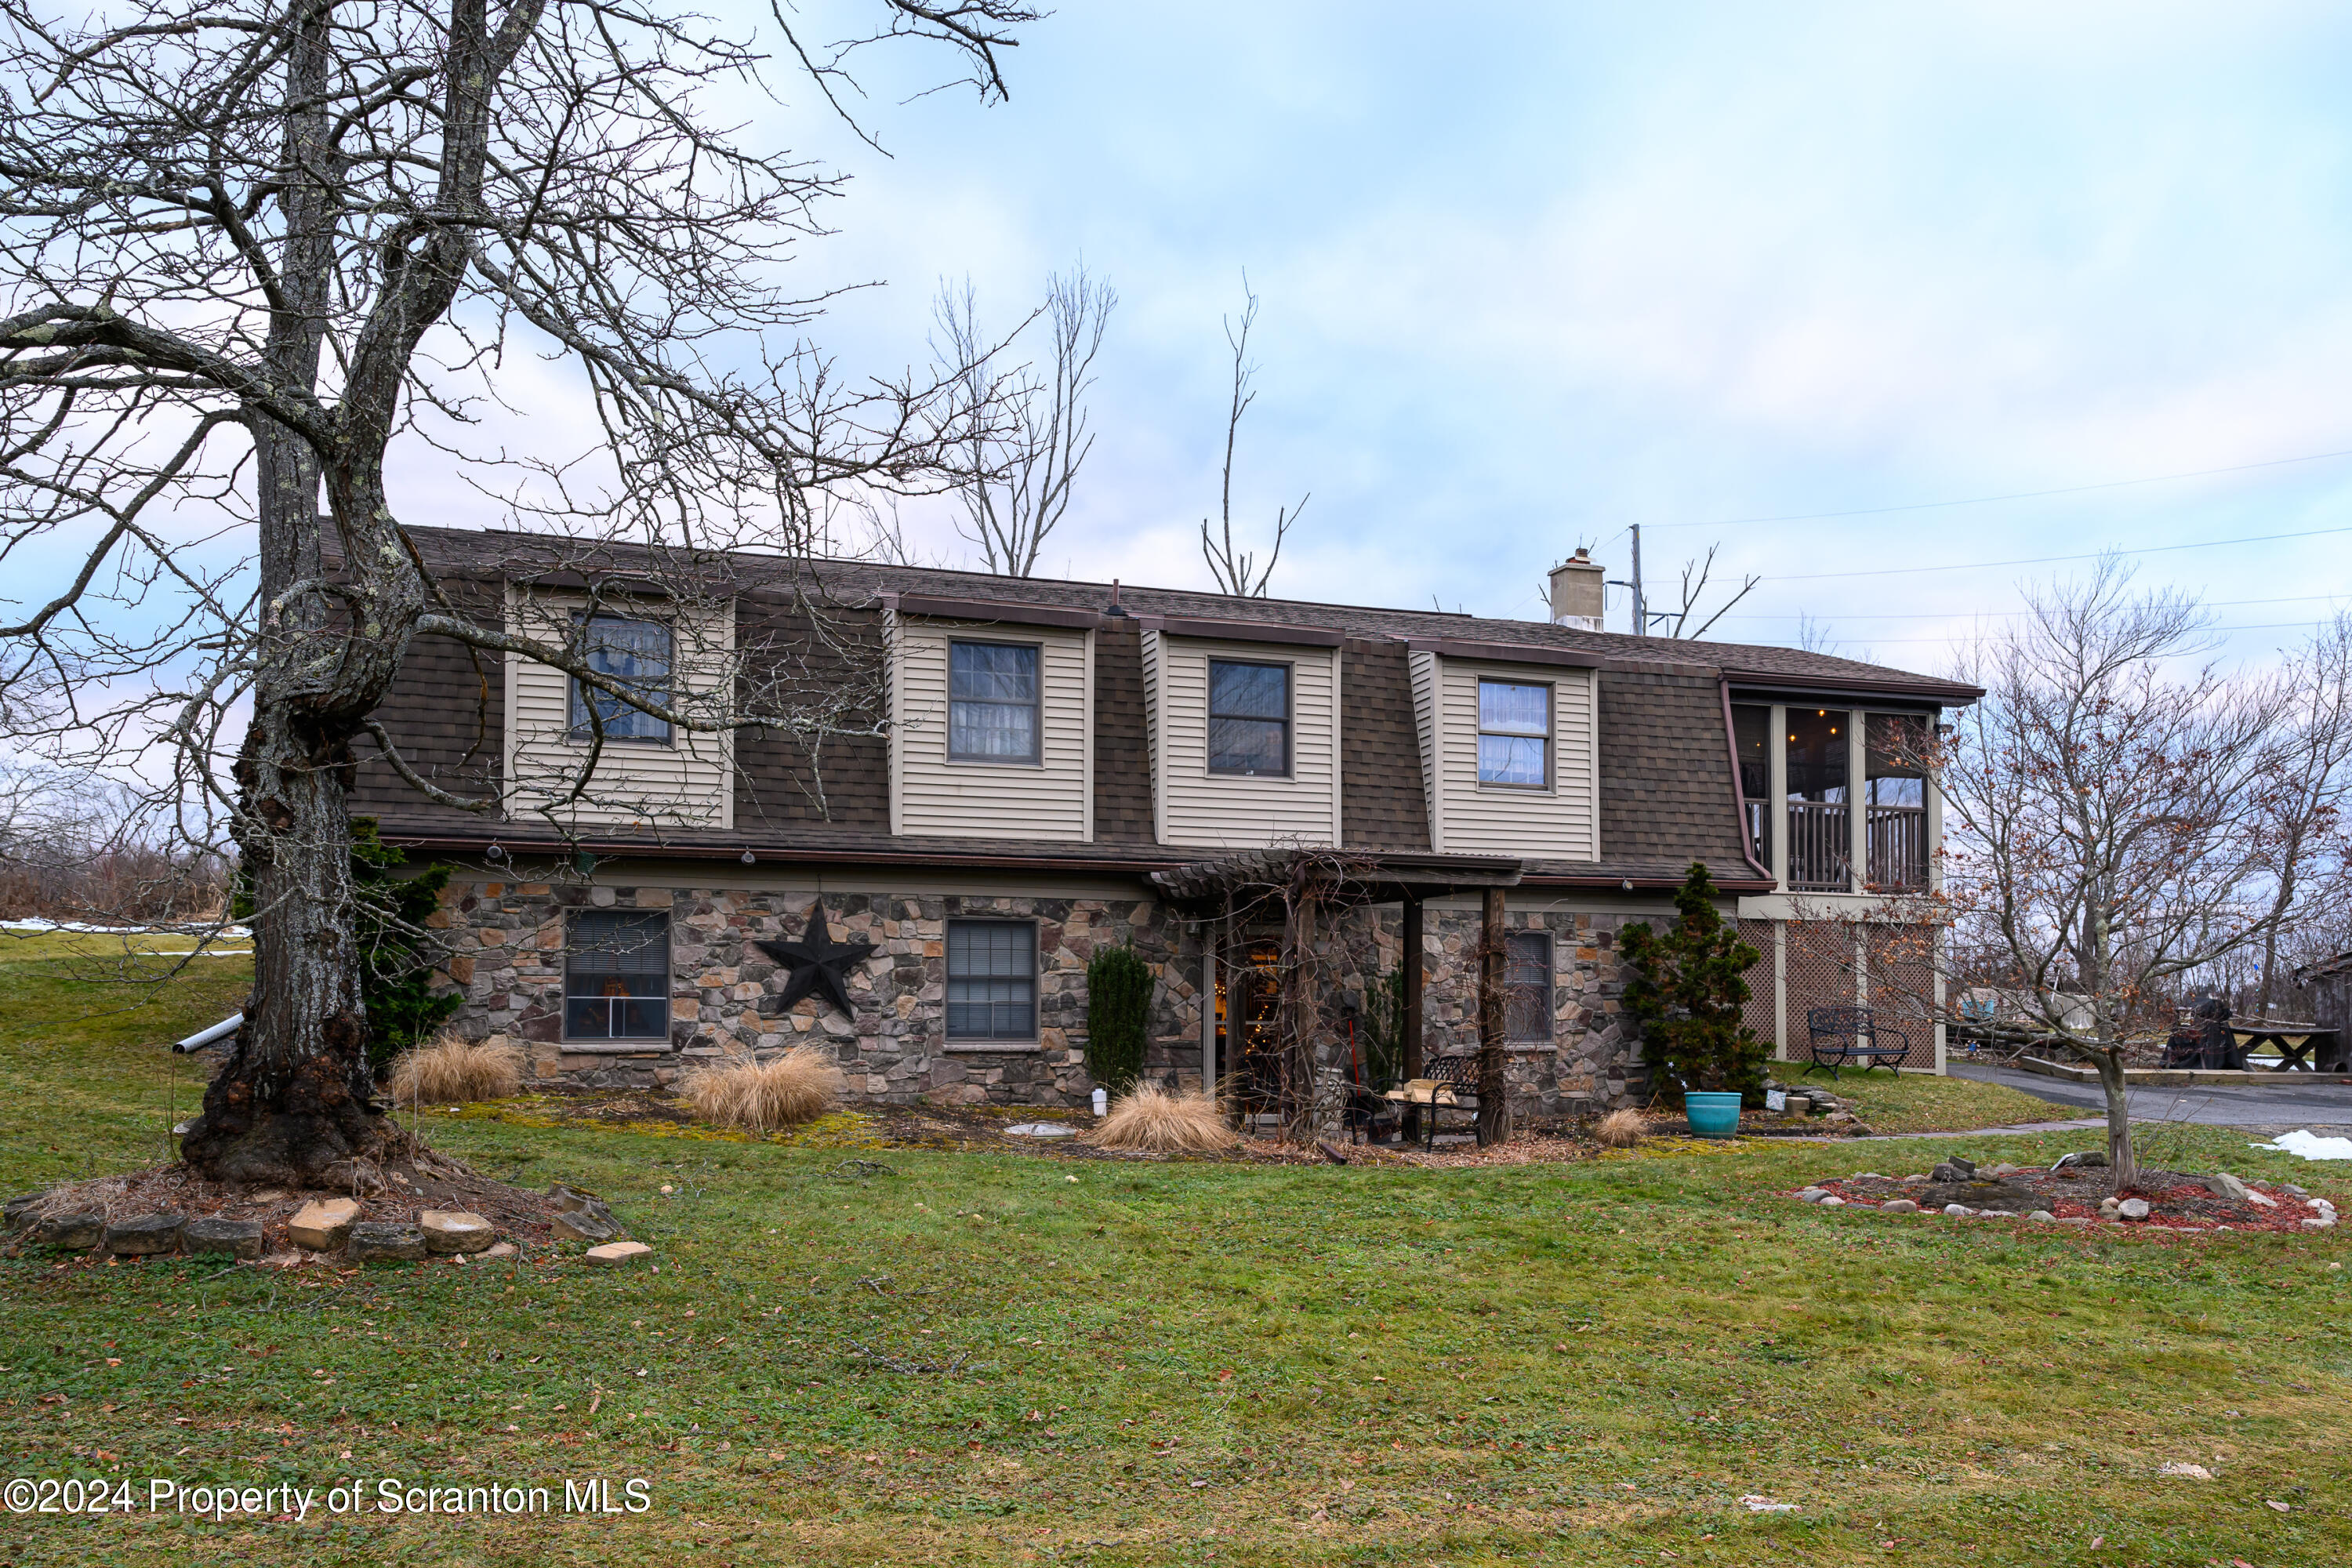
<point x="2004" y="614"/>
<point x="2046" y="560"/>
<point x="1906" y="642"/>
<point x="2013" y="495"/>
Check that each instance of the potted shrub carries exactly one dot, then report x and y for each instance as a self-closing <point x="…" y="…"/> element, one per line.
<point x="1687" y="988"/>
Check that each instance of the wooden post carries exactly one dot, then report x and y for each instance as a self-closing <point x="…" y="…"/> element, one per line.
<point x="1411" y="962"/>
<point x="1494" y="1093"/>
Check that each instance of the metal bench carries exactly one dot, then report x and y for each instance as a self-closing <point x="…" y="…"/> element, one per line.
<point x="1842" y="1037"/>
<point x="1449" y="1083"/>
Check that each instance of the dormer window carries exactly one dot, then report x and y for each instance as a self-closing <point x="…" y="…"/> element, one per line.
<point x="632" y="654"/>
<point x="1249" y="719"/>
<point x="992" y="692"/>
<point x="1513" y="734"/>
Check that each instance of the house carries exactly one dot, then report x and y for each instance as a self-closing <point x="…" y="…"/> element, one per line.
<point x="977" y="781"/>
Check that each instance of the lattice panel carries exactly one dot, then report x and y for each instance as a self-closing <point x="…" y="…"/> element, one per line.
<point x="1901" y="973"/>
<point x="1821" y="971"/>
<point x="1760" y="1014"/>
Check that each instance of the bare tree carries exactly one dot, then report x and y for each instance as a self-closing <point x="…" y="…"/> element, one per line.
<point x="1693" y="591"/>
<point x="2104" y="813"/>
<point x="1026" y="435"/>
<point x="2302" y="817"/>
<point x="1238" y="570"/>
<point x="244" y="248"/>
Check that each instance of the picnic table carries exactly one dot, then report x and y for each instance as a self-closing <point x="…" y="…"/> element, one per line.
<point x="2296" y="1045"/>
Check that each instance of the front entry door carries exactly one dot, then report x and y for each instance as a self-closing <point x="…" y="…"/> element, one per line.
<point x="1249" y="999"/>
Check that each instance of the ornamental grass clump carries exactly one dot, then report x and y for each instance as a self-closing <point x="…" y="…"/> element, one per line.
<point x="1153" y="1120"/>
<point x="782" y="1092"/>
<point x="1620" y="1129"/>
<point x="451" y="1071"/>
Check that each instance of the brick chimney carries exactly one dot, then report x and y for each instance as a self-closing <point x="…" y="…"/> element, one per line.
<point x="1576" y="593"/>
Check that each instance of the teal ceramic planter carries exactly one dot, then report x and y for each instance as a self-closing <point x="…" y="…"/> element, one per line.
<point x="1712" y="1115"/>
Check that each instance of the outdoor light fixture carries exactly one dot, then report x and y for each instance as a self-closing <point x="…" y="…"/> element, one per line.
<point x="749" y="859"/>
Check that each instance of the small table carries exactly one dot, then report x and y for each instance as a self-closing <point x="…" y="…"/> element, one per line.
<point x="2295" y="1043"/>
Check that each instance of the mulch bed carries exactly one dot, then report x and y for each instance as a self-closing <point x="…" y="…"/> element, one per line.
<point x="409" y="1185"/>
<point x="2176" y="1202"/>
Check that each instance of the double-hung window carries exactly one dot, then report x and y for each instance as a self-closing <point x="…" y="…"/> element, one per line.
<point x="636" y="655"/>
<point x="1514" y="734"/>
<point x="1528" y="987"/>
<point x="1249" y="718"/>
<point x="991" y="980"/>
<point x="616" y="976"/>
<point x="992" y="707"/>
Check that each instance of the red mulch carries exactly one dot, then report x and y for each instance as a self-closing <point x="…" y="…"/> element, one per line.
<point x="2175" y="1202"/>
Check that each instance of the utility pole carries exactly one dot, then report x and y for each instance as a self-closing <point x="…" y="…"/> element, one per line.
<point x="1641" y="603"/>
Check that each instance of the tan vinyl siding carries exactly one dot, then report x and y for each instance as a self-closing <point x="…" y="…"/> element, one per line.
<point x="1220" y="811"/>
<point x="1424" y="722"/>
<point x="1050" y="798"/>
<point x="687" y="783"/>
<point x="1558" y="823"/>
<point x="1152" y="710"/>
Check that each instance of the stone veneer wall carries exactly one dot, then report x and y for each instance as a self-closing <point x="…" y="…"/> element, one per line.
<point x="506" y="953"/>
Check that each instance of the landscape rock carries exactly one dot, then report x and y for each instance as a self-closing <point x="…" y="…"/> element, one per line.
<point x="2044" y="1216"/>
<point x="145" y="1235"/>
<point x="1996" y="1213"/>
<point x="2075" y="1219"/>
<point x="1958" y="1211"/>
<point x="1954" y="1170"/>
<point x="1898" y="1206"/>
<point x="582" y="1216"/>
<point x="455" y="1231"/>
<point x="2089" y="1157"/>
<point x="1811" y="1194"/>
<point x="2324" y="1222"/>
<point x="2261" y="1200"/>
<point x="16" y="1213"/>
<point x="2186" y="1472"/>
<point x="231" y="1237"/>
<point x="617" y="1254"/>
<point x="2110" y="1207"/>
<point x="503" y="1249"/>
<point x="78" y="1231"/>
<point x="385" y="1241"/>
<point x="323" y="1224"/>
<point x="2291" y="1190"/>
<point x="2004" y="1169"/>
<point x="2224" y="1186"/>
<point x="1834" y="1202"/>
<point x="2132" y="1208"/>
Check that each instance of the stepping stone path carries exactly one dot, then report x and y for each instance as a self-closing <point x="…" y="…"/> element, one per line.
<point x="455" y="1231"/>
<point x="617" y="1254"/>
<point x="385" y="1241"/>
<point x="231" y="1237"/>
<point x="144" y="1235"/>
<point x="324" y="1225"/>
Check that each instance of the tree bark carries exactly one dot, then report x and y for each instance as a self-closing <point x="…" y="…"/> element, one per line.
<point x="2123" y="1167"/>
<point x="1493" y="1091"/>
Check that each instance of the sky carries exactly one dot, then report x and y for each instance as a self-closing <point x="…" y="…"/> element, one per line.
<point x="1785" y="281"/>
<point x="1530" y="275"/>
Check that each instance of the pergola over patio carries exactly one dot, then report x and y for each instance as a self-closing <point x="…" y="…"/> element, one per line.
<point x="1307" y="880"/>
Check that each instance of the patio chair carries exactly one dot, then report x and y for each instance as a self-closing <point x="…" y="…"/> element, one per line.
<point x="1842" y="1037"/>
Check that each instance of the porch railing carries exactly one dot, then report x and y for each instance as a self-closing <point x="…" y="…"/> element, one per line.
<point x="1759" y="819"/>
<point x="1898" y="846"/>
<point x="1820" y="845"/>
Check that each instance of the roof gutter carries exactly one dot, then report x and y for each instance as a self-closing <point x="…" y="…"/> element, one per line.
<point x="1642" y="884"/>
<point x="637" y="849"/>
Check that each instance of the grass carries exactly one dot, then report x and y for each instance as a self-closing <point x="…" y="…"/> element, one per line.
<point x="1922" y="1103"/>
<point x="1183" y="1362"/>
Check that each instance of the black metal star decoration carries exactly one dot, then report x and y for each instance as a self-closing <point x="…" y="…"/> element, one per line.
<point x="817" y="963"/>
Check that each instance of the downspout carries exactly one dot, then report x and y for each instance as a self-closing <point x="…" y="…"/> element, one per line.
<point x="1738" y="795"/>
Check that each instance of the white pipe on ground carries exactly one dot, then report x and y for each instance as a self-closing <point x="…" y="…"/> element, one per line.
<point x="203" y="1037"/>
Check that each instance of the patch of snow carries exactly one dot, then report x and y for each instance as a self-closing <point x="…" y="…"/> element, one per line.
<point x="2306" y="1145"/>
<point x="38" y="925"/>
<point x="1755" y="1504"/>
<point x="1041" y="1130"/>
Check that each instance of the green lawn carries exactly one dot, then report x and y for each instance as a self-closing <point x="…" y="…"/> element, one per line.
<point x="1922" y="1103"/>
<point x="1178" y="1364"/>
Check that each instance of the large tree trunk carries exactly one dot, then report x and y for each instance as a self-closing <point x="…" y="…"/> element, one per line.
<point x="293" y="1105"/>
